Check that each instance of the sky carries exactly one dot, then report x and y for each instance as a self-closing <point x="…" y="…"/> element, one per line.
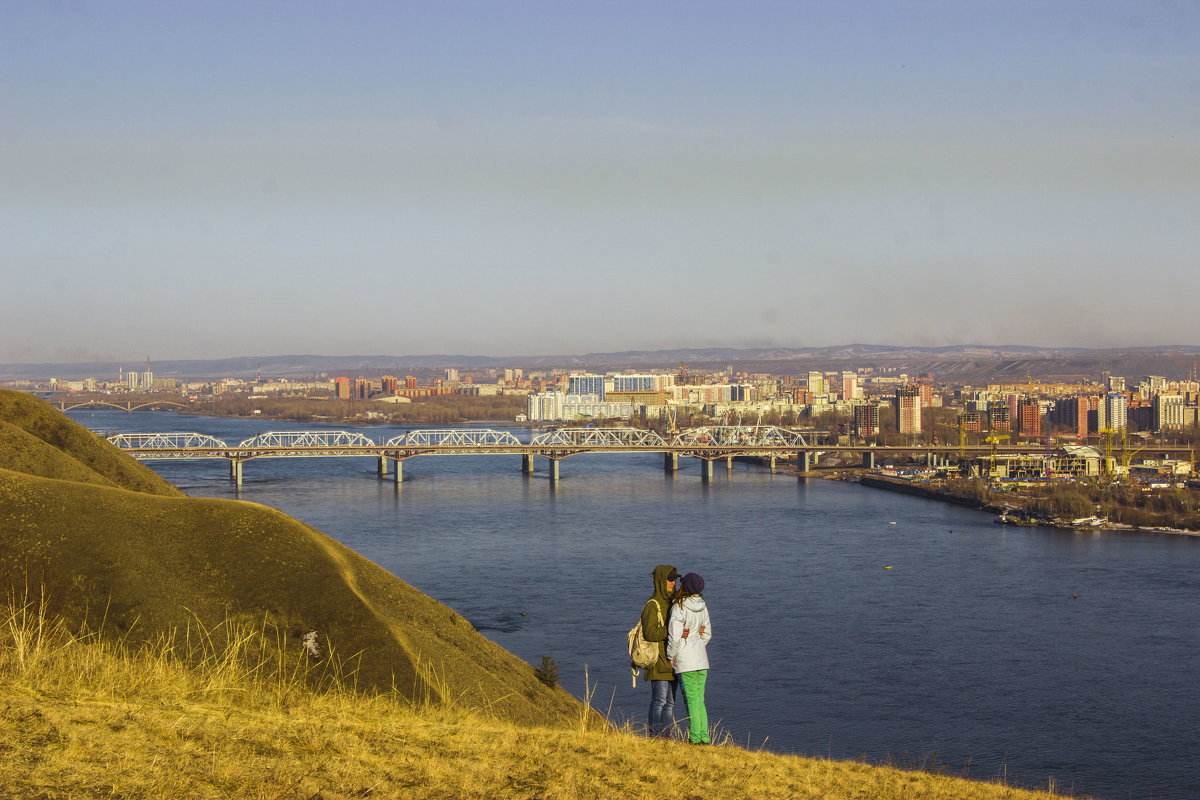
<point x="218" y="179"/>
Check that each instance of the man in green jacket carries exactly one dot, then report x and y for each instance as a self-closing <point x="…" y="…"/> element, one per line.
<point x="663" y="681"/>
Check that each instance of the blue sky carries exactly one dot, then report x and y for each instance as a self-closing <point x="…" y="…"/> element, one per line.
<point x="213" y="179"/>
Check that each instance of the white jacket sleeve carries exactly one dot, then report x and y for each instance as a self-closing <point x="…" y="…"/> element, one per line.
<point x="675" y="633"/>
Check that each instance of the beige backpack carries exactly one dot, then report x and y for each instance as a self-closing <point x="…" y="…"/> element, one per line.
<point x="642" y="654"/>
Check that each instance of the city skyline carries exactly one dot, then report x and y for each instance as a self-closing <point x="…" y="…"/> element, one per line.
<point x="219" y="180"/>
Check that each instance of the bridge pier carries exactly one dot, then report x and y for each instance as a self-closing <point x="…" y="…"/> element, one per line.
<point x="671" y="462"/>
<point x="527" y="463"/>
<point x="804" y="461"/>
<point x="554" y="470"/>
<point x="729" y="463"/>
<point x="399" y="472"/>
<point x="383" y="466"/>
<point x="772" y="463"/>
<point x="706" y="469"/>
<point x="868" y="460"/>
<point x="235" y="470"/>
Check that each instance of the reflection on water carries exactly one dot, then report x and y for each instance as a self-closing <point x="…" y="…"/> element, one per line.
<point x="1025" y="652"/>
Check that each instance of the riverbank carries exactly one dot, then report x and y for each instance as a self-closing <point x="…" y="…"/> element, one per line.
<point x="1017" y="509"/>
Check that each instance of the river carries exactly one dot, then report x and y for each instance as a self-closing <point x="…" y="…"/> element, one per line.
<point x="847" y="622"/>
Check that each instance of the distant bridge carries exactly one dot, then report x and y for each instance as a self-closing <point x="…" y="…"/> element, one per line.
<point x="128" y="406"/>
<point x="706" y="444"/>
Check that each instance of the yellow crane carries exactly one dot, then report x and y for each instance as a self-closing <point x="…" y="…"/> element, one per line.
<point x="670" y="427"/>
<point x="1107" y="433"/>
<point x="1125" y="454"/>
<point x="962" y="437"/>
<point x="992" y="439"/>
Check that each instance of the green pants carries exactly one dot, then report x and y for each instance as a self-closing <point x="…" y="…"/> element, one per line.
<point x="693" y="693"/>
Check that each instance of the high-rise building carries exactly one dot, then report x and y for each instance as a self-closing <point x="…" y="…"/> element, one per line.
<point x="390" y="384"/>
<point x="926" y="394"/>
<point x="816" y="383"/>
<point x="587" y="384"/>
<point x="341" y="388"/>
<point x="1168" y="411"/>
<point x="1116" y="410"/>
<point x="633" y="383"/>
<point x="1116" y="383"/>
<point x="1072" y="413"/>
<point x="1029" y="417"/>
<point x="908" y="409"/>
<point x="850" y="387"/>
<point x="971" y="421"/>
<point x="866" y="420"/>
<point x="998" y="418"/>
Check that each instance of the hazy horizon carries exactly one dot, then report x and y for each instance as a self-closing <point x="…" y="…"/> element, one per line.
<point x="205" y="181"/>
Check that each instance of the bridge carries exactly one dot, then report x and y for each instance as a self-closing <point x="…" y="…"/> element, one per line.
<point x="706" y="444"/>
<point x="129" y="406"/>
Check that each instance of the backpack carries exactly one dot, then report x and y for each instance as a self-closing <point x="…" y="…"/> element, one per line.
<point x="642" y="654"/>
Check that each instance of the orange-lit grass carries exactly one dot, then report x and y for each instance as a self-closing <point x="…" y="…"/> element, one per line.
<point x="83" y="717"/>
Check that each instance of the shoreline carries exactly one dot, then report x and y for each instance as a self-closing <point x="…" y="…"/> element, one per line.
<point x="1020" y="516"/>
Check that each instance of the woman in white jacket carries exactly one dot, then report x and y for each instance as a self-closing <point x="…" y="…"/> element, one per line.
<point x="688" y="634"/>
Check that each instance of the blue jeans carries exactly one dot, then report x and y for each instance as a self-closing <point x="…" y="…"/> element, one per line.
<point x="662" y="707"/>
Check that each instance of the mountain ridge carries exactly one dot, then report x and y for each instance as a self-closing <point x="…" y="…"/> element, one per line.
<point x="910" y="358"/>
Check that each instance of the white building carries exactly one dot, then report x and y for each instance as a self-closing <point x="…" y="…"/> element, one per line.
<point x="555" y="406"/>
<point x="1168" y="411"/>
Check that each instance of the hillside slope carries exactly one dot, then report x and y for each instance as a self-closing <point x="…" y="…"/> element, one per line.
<point x="145" y="564"/>
<point x="72" y="441"/>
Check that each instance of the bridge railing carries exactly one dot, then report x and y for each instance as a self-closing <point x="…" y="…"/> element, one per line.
<point x="598" y="437"/>
<point x="454" y="437"/>
<point x="740" y="436"/>
<point x="166" y="441"/>
<point x="298" y="439"/>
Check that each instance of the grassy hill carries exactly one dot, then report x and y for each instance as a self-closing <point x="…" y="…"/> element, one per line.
<point x="64" y="449"/>
<point x="117" y="548"/>
<point x="84" y="718"/>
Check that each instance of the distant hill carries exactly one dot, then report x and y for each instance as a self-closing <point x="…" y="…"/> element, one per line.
<point x="116" y="546"/>
<point x="964" y="363"/>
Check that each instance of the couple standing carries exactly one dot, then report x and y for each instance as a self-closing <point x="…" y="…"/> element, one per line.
<point x="677" y="618"/>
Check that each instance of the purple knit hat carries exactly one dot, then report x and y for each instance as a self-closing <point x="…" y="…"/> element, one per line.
<point x="693" y="583"/>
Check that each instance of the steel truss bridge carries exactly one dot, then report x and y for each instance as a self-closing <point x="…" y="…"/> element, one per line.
<point x="706" y="444"/>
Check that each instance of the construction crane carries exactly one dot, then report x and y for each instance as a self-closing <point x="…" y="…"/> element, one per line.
<point x="1107" y="433"/>
<point x="992" y="440"/>
<point x="962" y="437"/>
<point x="1125" y="454"/>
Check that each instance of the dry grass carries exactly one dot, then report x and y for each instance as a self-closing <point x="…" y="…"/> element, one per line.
<point x="85" y="717"/>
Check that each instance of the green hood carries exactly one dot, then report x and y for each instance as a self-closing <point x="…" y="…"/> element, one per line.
<point x="660" y="585"/>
